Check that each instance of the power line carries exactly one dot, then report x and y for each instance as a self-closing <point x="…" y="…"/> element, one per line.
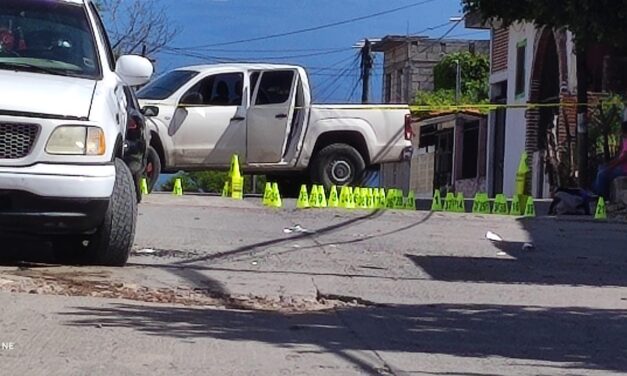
<point x="333" y="82"/>
<point x="315" y="28"/>
<point x="265" y="50"/>
<point x="226" y="58"/>
<point x="441" y="38"/>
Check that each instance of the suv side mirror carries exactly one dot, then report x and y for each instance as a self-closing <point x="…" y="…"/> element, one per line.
<point x="150" y="111"/>
<point x="134" y="70"/>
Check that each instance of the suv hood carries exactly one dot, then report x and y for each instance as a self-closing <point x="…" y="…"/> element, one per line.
<point x="43" y="95"/>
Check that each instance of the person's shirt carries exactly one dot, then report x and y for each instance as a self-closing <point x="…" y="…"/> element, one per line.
<point x="623" y="154"/>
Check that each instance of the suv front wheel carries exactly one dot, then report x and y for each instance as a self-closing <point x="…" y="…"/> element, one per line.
<point x="111" y="244"/>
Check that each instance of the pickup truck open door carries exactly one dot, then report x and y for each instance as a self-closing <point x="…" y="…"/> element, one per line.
<point x="270" y="115"/>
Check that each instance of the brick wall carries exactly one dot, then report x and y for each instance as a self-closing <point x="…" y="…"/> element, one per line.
<point x="500" y="47"/>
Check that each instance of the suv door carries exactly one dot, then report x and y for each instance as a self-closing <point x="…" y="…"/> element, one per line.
<point x="270" y="115"/>
<point x="209" y="124"/>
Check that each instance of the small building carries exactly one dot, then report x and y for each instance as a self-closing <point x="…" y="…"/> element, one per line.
<point x="449" y="154"/>
<point x="409" y="62"/>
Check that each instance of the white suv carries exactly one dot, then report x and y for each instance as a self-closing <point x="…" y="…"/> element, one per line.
<point x="63" y="130"/>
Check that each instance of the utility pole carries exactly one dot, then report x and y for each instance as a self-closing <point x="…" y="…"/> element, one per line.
<point x="458" y="83"/>
<point x="367" y="63"/>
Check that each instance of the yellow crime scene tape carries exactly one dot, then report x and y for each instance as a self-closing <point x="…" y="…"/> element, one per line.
<point x="423" y="108"/>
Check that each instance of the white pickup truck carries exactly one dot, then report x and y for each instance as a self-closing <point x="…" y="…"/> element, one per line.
<point x="202" y="115"/>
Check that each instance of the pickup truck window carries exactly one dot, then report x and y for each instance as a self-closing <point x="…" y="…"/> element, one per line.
<point x="166" y="85"/>
<point x="47" y="37"/>
<point x="275" y="87"/>
<point x="216" y="90"/>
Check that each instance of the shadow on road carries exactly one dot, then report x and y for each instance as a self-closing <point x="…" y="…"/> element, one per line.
<point x="582" y="338"/>
<point x="565" y="253"/>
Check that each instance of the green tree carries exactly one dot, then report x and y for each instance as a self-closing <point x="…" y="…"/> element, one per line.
<point x="475" y="74"/>
<point x="590" y="21"/>
<point x="474" y="84"/>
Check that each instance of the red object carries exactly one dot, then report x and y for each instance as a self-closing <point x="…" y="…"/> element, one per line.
<point x="409" y="132"/>
<point x="7" y="40"/>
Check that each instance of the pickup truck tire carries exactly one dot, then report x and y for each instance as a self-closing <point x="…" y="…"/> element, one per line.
<point x="111" y="244"/>
<point x="153" y="168"/>
<point x="337" y="164"/>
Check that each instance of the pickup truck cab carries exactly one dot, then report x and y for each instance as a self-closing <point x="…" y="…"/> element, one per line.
<point x="202" y="115"/>
<point x="67" y="158"/>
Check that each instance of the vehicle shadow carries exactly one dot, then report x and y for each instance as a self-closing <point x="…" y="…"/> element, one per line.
<point x="17" y="251"/>
<point x="575" y="337"/>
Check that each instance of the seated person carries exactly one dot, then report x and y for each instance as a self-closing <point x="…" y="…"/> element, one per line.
<point x="222" y="97"/>
<point x="614" y="169"/>
<point x="239" y="89"/>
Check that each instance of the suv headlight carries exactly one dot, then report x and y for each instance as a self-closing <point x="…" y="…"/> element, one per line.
<point x="76" y="140"/>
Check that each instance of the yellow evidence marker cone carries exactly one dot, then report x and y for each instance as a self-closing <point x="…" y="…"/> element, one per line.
<point x="382" y="199"/>
<point x="143" y="186"/>
<point x="267" y="194"/>
<point x="436" y="204"/>
<point x="226" y="190"/>
<point x="313" y="197"/>
<point x="370" y="199"/>
<point x="322" y="197"/>
<point x="481" y="205"/>
<point x="449" y="203"/>
<point x="334" y="200"/>
<point x="344" y="198"/>
<point x="516" y="210"/>
<point x="303" y="198"/>
<point x="460" y="203"/>
<point x="276" y="197"/>
<point x="601" y="212"/>
<point x="411" y="201"/>
<point x="530" y="208"/>
<point x="178" y="188"/>
<point x="357" y="197"/>
<point x="500" y="205"/>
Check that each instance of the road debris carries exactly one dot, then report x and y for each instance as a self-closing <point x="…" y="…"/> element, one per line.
<point x="147" y="251"/>
<point x="297" y="229"/>
<point x="493" y="237"/>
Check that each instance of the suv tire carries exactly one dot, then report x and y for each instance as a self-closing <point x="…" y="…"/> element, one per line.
<point x="112" y="243"/>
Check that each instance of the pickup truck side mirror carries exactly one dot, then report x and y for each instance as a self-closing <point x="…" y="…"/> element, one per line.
<point x="150" y="111"/>
<point x="134" y="70"/>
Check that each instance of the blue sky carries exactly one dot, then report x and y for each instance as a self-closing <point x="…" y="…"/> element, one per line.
<point x="203" y="22"/>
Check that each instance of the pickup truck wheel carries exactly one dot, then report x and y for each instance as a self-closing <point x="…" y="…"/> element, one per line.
<point x="153" y="168"/>
<point x="338" y="164"/>
<point x="112" y="243"/>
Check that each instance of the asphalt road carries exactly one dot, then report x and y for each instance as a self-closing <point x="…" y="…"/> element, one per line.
<point x="223" y="287"/>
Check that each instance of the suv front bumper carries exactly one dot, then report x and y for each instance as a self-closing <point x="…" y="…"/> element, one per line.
<point x="54" y="199"/>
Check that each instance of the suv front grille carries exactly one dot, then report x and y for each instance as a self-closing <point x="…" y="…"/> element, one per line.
<point x="17" y="140"/>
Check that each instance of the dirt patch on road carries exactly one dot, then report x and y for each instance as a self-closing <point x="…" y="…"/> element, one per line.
<point x="101" y="284"/>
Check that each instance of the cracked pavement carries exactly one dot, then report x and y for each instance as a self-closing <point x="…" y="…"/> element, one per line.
<point x="223" y="287"/>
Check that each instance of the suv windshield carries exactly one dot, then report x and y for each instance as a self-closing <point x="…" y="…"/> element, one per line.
<point x="166" y="85"/>
<point x="47" y="37"/>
